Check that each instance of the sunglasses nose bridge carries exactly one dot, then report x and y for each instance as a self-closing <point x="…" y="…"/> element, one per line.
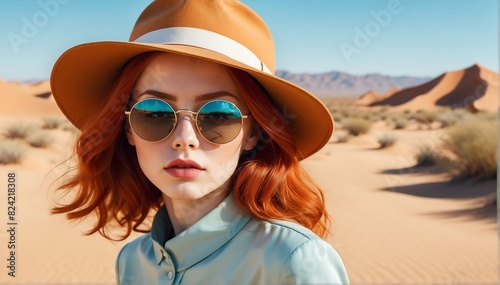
<point x="187" y="111"/>
<point x="193" y="115"/>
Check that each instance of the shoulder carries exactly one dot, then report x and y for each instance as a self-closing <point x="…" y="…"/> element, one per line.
<point x="305" y="257"/>
<point x="133" y="256"/>
<point x="142" y="245"/>
<point x="283" y="234"/>
<point x="314" y="262"/>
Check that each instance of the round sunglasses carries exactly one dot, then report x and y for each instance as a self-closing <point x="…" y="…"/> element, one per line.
<point x="217" y="121"/>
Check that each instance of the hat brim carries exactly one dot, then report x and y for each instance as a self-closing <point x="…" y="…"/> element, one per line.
<point x="83" y="76"/>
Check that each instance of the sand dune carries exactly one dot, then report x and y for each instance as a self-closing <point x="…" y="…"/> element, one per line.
<point x="368" y="98"/>
<point x="490" y="100"/>
<point x="27" y="99"/>
<point x="475" y="88"/>
<point x="372" y="97"/>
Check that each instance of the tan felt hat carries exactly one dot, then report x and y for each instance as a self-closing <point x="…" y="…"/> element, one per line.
<point x="222" y="31"/>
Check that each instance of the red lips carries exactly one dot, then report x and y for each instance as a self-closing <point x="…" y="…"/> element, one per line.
<point x="183" y="168"/>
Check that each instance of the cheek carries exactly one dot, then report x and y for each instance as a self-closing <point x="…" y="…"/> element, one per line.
<point x="148" y="155"/>
<point x="225" y="158"/>
<point x="223" y="165"/>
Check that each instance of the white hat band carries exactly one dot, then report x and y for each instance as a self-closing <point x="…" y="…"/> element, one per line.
<point x="207" y="40"/>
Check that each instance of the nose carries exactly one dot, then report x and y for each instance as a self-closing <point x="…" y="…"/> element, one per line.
<point x="185" y="133"/>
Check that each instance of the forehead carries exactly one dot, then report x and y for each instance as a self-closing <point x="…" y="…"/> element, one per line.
<point x="185" y="77"/>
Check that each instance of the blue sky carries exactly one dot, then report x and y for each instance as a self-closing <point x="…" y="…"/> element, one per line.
<point x="393" y="37"/>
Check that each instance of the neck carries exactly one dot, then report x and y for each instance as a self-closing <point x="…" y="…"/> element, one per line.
<point x="184" y="213"/>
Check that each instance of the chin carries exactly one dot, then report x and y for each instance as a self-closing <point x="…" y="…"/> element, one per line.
<point x="185" y="192"/>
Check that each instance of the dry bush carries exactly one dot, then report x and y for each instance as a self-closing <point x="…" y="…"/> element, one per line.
<point x="377" y="117"/>
<point x="387" y="140"/>
<point x="473" y="144"/>
<point x="11" y="151"/>
<point x="383" y="116"/>
<point x="53" y="121"/>
<point x="40" y="139"/>
<point x="452" y="117"/>
<point x="357" y="126"/>
<point x="408" y="115"/>
<point x="68" y="127"/>
<point x="487" y="116"/>
<point x="425" y="116"/>
<point x="20" y="130"/>
<point x="426" y="156"/>
<point x="399" y="120"/>
<point x="351" y="113"/>
<point x="346" y="113"/>
<point x="337" y="117"/>
<point x="369" y="117"/>
<point x="343" y="137"/>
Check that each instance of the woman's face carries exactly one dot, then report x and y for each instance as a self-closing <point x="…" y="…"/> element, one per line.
<point x="185" y="166"/>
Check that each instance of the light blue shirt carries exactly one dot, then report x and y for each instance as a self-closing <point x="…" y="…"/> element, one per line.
<point x="228" y="246"/>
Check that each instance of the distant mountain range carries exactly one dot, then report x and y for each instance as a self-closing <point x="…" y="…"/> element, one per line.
<point x="341" y="84"/>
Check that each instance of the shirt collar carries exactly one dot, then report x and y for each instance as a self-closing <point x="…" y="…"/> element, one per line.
<point x="201" y="239"/>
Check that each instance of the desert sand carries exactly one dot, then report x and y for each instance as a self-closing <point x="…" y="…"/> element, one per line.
<point x="392" y="223"/>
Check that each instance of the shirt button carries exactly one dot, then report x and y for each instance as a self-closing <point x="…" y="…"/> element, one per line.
<point x="170" y="275"/>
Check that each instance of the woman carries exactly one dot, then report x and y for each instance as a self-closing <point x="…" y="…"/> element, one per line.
<point x="188" y="120"/>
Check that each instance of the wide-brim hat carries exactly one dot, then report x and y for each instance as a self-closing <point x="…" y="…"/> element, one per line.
<point x="222" y="31"/>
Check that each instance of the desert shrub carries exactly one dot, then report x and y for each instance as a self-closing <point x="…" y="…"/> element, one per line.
<point x="40" y="139"/>
<point x="346" y="113"/>
<point x="53" y="121"/>
<point x="369" y="117"/>
<point x="473" y="144"/>
<point x="453" y="117"/>
<point x="352" y="113"/>
<point x="426" y="155"/>
<point x="11" y="151"/>
<point x="409" y="115"/>
<point x="337" y="117"/>
<point x="377" y="116"/>
<point x="343" y="137"/>
<point x="487" y="116"/>
<point x="333" y="110"/>
<point x="400" y="121"/>
<point x="20" y="130"/>
<point x="357" y="126"/>
<point x="425" y="116"/>
<point x="383" y="116"/>
<point x="67" y="126"/>
<point x="387" y="140"/>
<point x="384" y="109"/>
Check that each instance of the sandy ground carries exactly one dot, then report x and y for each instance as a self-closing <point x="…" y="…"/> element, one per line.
<point x="393" y="224"/>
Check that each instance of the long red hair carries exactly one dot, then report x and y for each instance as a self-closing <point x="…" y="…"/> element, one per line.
<point x="269" y="182"/>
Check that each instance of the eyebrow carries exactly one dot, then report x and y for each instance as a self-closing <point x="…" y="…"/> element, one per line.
<point x="202" y="97"/>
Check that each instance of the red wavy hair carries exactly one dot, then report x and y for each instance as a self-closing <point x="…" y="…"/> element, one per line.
<point x="109" y="183"/>
<point x="269" y="182"/>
